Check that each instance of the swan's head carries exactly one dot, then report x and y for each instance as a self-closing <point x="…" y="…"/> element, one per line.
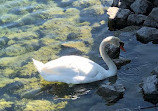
<point x="114" y="41"/>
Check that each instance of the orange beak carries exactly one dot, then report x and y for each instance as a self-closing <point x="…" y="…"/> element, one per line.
<point x="121" y="47"/>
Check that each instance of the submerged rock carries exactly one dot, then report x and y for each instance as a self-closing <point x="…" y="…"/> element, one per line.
<point x="121" y="61"/>
<point x="150" y="89"/>
<point x="124" y="109"/>
<point x="155" y="71"/>
<point x="152" y="19"/>
<point x="147" y="34"/>
<point x="3" y="41"/>
<point x="111" y="93"/>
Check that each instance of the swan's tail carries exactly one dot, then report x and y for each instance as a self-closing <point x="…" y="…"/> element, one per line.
<point x="39" y="65"/>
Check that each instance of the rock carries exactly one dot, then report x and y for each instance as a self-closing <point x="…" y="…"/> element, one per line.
<point x="124" y="109"/>
<point x="111" y="93"/>
<point x="152" y="19"/>
<point x="121" y="61"/>
<point x="124" y="4"/>
<point x="112" y="51"/>
<point x="117" y="17"/>
<point x="150" y="89"/>
<point x="136" y="19"/>
<point x="3" y="41"/>
<point x="147" y="34"/>
<point x="141" y="6"/>
<point x="155" y="71"/>
<point x="156" y="3"/>
<point x="31" y="94"/>
<point x="10" y="88"/>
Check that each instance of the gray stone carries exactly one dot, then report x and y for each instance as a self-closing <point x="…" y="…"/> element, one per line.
<point x="152" y="19"/>
<point x="117" y="17"/>
<point x="3" y="41"/>
<point x="147" y="34"/>
<point x="136" y="19"/>
<point x="141" y="6"/>
<point x="155" y="71"/>
<point x="121" y="61"/>
<point x="111" y="93"/>
<point x="150" y="89"/>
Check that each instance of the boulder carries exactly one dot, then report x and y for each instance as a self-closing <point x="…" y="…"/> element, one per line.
<point x="147" y="34"/>
<point x="152" y="19"/>
<point x="141" y="6"/>
<point x="111" y="93"/>
<point x="136" y="19"/>
<point x="150" y="89"/>
<point x="117" y="17"/>
<point x="121" y="61"/>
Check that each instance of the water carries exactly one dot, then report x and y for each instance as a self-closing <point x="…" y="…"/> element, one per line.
<point x="48" y="29"/>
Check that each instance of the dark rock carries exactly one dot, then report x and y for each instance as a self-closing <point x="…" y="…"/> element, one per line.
<point x="112" y="51"/>
<point x="147" y="34"/>
<point x="152" y="19"/>
<point x="3" y="41"/>
<point x="111" y="93"/>
<point x="124" y="4"/>
<point x="150" y="89"/>
<point x="121" y="61"/>
<point x="10" y="88"/>
<point x="141" y="6"/>
<point x="124" y="109"/>
<point x="155" y="71"/>
<point x="156" y="3"/>
<point x="117" y="17"/>
<point x="136" y="19"/>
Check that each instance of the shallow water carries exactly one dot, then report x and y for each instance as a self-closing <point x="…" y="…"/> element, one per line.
<point x="48" y="29"/>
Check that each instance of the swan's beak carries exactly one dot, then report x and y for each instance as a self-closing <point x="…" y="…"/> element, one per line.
<point x="121" y="47"/>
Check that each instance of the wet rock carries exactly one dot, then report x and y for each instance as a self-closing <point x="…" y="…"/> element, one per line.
<point x="156" y="3"/>
<point x="121" y="61"/>
<point x="150" y="89"/>
<point x="141" y="6"/>
<point x="117" y="17"/>
<point x="136" y="19"/>
<point x="10" y="88"/>
<point x="112" y="51"/>
<point x="152" y="19"/>
<point x="147" y="34"/>
<point x="124" y="109"/>
<point x="125" y="4"/>
<point x="111" y="93"/>
<point x="155" y="71"/>
<point x="3" y="41"/>
<point x="31" y="94"/>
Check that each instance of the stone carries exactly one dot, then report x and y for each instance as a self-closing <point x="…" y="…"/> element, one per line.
<point x="136" y="19"/>
<point x="3" y="41"/>
<point x="117" y="17"/>
<point x="152" y="19"/>
<point x="121" y="61"/>
<point x="150" y="89"/>
<point x="111" y="93"/>
<point x="147" y="34"/>
<point x="156" y="3"/>
<point x="141" y="6"/>
<point x="155" y="71"/>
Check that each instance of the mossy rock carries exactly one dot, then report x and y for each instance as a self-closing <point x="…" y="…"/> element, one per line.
<point x="86" y="3"/>
<point x="5" y="105"/>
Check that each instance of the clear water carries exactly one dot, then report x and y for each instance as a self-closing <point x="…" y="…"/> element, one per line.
<point x="48" y="29"/>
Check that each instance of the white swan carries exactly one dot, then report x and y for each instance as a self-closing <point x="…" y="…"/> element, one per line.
<point x="78" y="70"/>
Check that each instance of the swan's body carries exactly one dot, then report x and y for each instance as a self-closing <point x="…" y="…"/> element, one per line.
<point x="78" y="70"/>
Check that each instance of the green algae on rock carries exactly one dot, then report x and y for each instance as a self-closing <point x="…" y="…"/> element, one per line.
<point x="4" y="105"/>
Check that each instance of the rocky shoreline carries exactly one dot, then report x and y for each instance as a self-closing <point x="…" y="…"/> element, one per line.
<point x="144" y="14"/>
<point x="141" y="13"/>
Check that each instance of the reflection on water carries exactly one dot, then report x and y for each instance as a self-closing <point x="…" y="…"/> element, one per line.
<point x="47" y="29"/>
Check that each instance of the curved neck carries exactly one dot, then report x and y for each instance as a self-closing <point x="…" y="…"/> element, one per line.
<point x="112" y="67"/>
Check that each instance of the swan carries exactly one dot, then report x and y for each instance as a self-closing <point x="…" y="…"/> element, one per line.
<point x="79" y="70"/>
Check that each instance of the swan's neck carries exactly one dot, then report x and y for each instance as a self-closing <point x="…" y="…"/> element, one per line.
<point x="112" y="67"/>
